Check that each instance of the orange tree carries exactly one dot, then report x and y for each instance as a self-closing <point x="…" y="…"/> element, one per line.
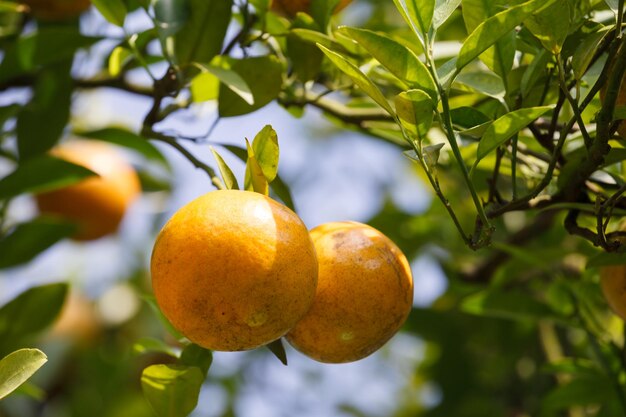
<point x="497" y="103"/>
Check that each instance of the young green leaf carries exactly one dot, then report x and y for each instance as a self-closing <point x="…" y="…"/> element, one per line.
<point x="172" y="390"/>
<point x="204" y="87"/>
<point x="397" y="58"/>
<point x="27" y="240"/>
<point x="113" y="10"/>
<point x="17" y="367"/>
<point x="233" y="81"/>
<point x="255" y="179"/>
<point x="358" y="77"/>
<point x="227" y="174"/>
<point x="488" y="32"/>
<point x="505" y="127"/>
<point x="266" y="151"/>
<point x="42" y="173"/>
<point x="277" y="348"/>
<point x="119" y="57"/>
<point x="415" y="110"/>
<point x="314" y="36"/>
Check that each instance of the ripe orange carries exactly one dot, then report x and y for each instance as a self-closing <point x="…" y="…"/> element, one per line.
<point x="291" y="7"/>
<point x="234" y="270"/>
<point x="364" y="294"/>
<point x="613" y="284"/>
<point x="96" y="204"/>
<point x="57" y="9"/>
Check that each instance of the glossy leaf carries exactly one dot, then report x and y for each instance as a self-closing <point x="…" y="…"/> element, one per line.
<point x="29" y="313"/>
<point x="113" y="10"/>
<point x="467" y="117"/>
<point x="172" y="390"/>
<point x="550" y="25"/>
<point x="43" y="173"/>
<point x="484" y="82"/>
<point x="233" y="81"/>
<point x="421" y="12"/>
<point x="255" y="179"/>
<point x="171" y="16"/>
<point x="227" y="174"/>
<point x="491" y="30"/>
<point x="506" y="126"/>
<point x="17" y="367"/>
<point x="397" y="58"/>
<point x="583" y="56"/>
<point x="358" y="77"/>
<point x="499" y="57"/>
<point x="27" y="240"/>
<point x="266" y="151"/>
<point x="264" y="77"/>
<point x="415" y="109"/>
<point x="202" y="36"/>
<point x="443" y="10"/>
<point x="128" y="139"/>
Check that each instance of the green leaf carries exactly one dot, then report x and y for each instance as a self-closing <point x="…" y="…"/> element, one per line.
<point x="494" y="28"/>
<point x="314" y="36"/>
<point x="358" y="77"/>
<point x="513" y="305"/>
<point x="415" y="109"/>
<point x="264" y="77"/>
<point x="29" y="313"/>
<point x="583" y="56"/>
<point x="27" y="240"/>
<point x="506" y="126"/>
<point x="431" y="155"/>
<point x="255" y="179"/>
<point x="205" y="87"/>
<point x="170" y="16"/>
<point x="194" y="355"/>
<point x="468" y="117"/>
<point x="119" y="57"/>
<point x="322" y="10"/>
<point x="172" y="390"/>
<point x="397" y="58"/>
<point x="535" y="70"/>
<point x="50" y="102"/>
<point x="306" y="58"/>
<point x="277" y="348"/>
<point x="201" y="38"/>
<point x="266" y="151"/>
<point x="498" y="58"/>
<point x="42" y="173"/>
<point x="483" y="82"/>
<point x="152" y="345"/>
<point x="17" y="367"/>
<point x="113" y="10"/>
<point x="613" y="4"/>
<point x="227" y="174"/>
<point x="233" y="81"/>
<point x="606" y="259"/>
<point x="550" y="31"/>
<point x="443" y="10"/>
<point x="421" y="12"/>
<point x="278" y="185"/>
<point x="584" y="390"/>
<point x="130" y="140"/>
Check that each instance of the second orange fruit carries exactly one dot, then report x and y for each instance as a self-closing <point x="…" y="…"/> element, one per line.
<point x="364" y="294"/>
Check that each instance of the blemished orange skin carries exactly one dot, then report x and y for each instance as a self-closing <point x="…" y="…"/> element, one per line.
<point x="234" y="270"/>
<point x="96" y="204"/>
<point x="55" y="10"/>
<point x="292" y="7"/>
<point x="613" y="284"/>
<point x="364" y="294"/>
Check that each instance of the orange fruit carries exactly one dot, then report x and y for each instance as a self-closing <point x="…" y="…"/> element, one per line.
<point x="364" y="294"/>
<point x="234" y="270"/>
<point x="291" y="7"/>
<point x="57" y="9"/>
<point x="96" y="204"/>
<point x="613" y="284"/>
